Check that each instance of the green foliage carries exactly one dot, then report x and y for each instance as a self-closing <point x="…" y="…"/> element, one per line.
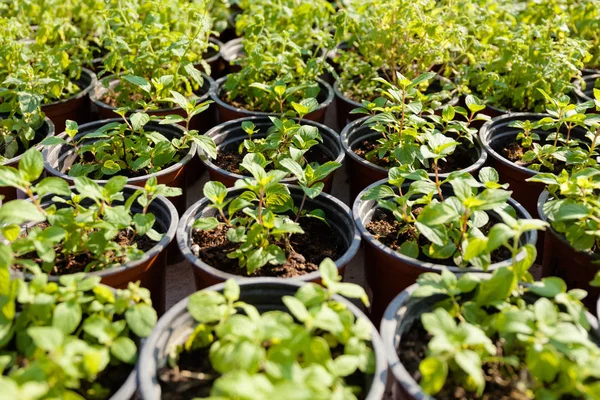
<point x="307" y="352"/>
<point x="465" y="227"/>
<point x="542" y="329"/>
<point x="258" y="219"/>
<point x="81" y="223"/>
<point x="131" y="147"/>
<point x="573" y="208"/>
<point x="412" y="134"/>
<point x="57" y="338"/>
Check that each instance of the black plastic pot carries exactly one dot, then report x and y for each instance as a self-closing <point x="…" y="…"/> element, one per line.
<point x="58" y="159"/>
<point x="227" y="112"/>
<point x="46" y="130"/>
<point x="201" y="122"/>
<point x="399" y="317"/>
<point x="576" y="268"/>
<point x="213" y="58"/>
<point x="76" y="107"/>
<point x="387" y="271"/>
<point x="495" y="135"/>
<point x="150" y="269"/>
<point x="231" y="51"/>
<point x="589" y="71"/>
<point x="128" y="389"/>
<point x="587" y="94"/>
<point x="230" y="134"/>
<point x="338" y="216"/>
<point x="265" y="294"/>
<point x="363" y="173"/>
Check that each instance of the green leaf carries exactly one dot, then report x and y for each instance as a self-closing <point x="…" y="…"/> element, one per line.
<point x="124" y="349"/>
<point x="141" y="318"/>
<point x="409" y="249"/>
<point x="548" y="287"/>
<point x="138" y="81"/>
<point x="345" y="365"/>
<point x="67" y="316"/>
<point x="542" y="362"/>
<point x="88" y="188"/>
<point x="139" y="120"/>
<point x="497" y="288"/>
<point x="46" y="337"/>
<point x="296" y="307"/>
<point x="20" y="211"/>
<point x="232" y="290"/>
<point x="329" y="272"/>
<point x="434" y="372"/>
<point x="53" y="185"/>
<point x="470" y="362"/>
<point x="571" y="211"/>
<point x="31" y="164"/>
<point x="206" y="224"/>
<point x="206" y="306"/>
<point x="215" y="192"/>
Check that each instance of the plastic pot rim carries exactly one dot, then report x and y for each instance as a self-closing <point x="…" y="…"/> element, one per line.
<point x="82" y="93"/>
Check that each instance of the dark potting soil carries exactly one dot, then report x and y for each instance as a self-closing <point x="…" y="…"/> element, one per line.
<point x="112" y="378"/>
<point x="387" y="230"/>
<point x="193" y="378"/>
<point x="461" y="158"/>
<point x="306" y="252"/>
<point x="77" y="262"/>
<point x="229" y="159"/>
<point x="499" y="383"/>
<point x="513" y="152"/>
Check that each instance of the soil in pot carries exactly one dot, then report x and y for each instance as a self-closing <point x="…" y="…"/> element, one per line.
<point x="318" y="242"/>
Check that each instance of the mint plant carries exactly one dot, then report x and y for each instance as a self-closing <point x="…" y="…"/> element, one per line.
<point x="258" y="219"/>
<point x="132" y="147"/>
<point x="573" y="208"/>
<point x="83" y="229"/>
<point x="411" y="133"/>
<point x="460" y="229"/>
<point x="493" y="332"/>
<point x="317" y="334"/>
<point x="67" y="339"/>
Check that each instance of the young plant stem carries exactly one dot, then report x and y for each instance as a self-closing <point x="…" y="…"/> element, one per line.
<point x="300" y="208"/>
<point x="437" y="179"/>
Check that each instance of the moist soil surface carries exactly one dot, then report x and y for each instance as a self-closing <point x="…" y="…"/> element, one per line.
<point x="77" y="263"/>
<point x="514" y="152"/>
<point x="461" y="158"/>
<point x="229" y="159"/>
<point x="386" y="229"/>
<point x="306" y="252"/>
<point x="498" y="386"/>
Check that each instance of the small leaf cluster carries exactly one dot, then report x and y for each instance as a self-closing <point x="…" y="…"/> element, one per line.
<point x="132" y="147"/>
<point x="465" y="228"/>
<point x="259" y="218"/>
<point x="306" y="352"/>
<point x="84" y="220"/>
<point x="412" y="134"/>
<point x="58" y="338"/>
<point x="537" y="335"/>
<point x="561" y="149"/>
<point x="573" y="207"/>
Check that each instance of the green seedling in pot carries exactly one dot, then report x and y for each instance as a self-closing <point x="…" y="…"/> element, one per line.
<point x="84" y="228"/>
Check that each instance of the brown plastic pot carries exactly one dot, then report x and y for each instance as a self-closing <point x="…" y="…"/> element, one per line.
<point x="495" y="135"/>
<point x="227" y="112"/>
<point x="265" y="294"/>
<point x="338" y="216"/>
<point x="76" y="107"/>
<point x="388" y="272"/>
<point x="363" y="173"/>
<point x="399" y="317"/>
<point x="201" y="122"/>
<point x="58" y="159"/>
<point x="231" y="51"/>
<point x="576" y="268"/>
<point x="589" y="82"/>
<point x="231" y="135"/>
<point x="46" y="130"/>
<point x="150" y="269"/>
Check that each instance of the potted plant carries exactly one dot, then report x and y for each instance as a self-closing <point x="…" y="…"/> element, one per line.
<point x="146" y="62"/>
<point x="138" y="147"/>
<point x="403" y="130"/>
<point x="315" y="344"/>
<point x="571" y="245"/>
<point x="520" y="145"/>
<point x="262" y="227"/>
<point x="276" y="72"/>
<point x="46" y="76"/>
<point x="419" y="225"/>
<point x="71" y="339"/>
<point x="490" y="336"/>
<point x="274" y="139"/>
<point x="584" y="88"/>
<point x="383" y="38"/>
<point x="116" y="232"/>
<point x="503" y="70"/>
